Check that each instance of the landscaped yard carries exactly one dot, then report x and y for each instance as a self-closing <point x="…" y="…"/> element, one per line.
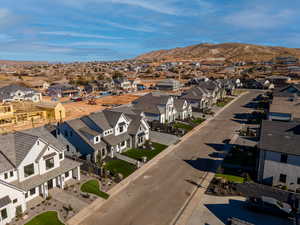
<point x="139" y="153"/>
<point x="47" y="218"/>
<point x="116" y="166"/>
<point x="231" y="178"/>
<point x="198" y="121"/>
<point x="92" y="186"/>
<point x="224" y="101"/>
<point x="183" y="126"/>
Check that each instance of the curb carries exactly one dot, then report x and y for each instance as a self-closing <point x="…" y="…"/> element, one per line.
<point x="87" y="211"/>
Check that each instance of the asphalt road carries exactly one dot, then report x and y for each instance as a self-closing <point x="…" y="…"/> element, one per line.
<point x="157" y="196"/>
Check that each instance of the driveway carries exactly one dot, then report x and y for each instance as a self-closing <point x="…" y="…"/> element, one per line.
<point x="215" y="210"/>
<point x="156" y="197"/>
<point x="163" y="138"/>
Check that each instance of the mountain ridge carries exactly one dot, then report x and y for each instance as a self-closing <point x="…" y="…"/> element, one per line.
<point x="230" y="51"/>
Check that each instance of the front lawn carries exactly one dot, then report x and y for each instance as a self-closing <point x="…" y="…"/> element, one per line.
<point x="46" y="218"/>
<point x="183" y="126"/>
<point x="198" y="121"/>
<point x="138" y="154"/>
<point x="116" y="166"/>
<point x="231" y="178"/>
<point x="92" y="186"/>
<point x="224" y="101"/>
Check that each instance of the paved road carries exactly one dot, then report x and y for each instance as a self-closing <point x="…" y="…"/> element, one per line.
<point x="156" y="197"/>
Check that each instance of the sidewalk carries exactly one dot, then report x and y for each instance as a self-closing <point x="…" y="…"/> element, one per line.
<point x="90" y="209"/>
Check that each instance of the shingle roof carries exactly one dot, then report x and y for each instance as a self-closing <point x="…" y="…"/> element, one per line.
<point x="279" y="136"/>
<point x="16" y="146"/>
<point x="114" y="140"/>
<point x="99" y="118"/>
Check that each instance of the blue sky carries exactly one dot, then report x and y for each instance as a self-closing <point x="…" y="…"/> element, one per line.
<point x="84" y="30"/>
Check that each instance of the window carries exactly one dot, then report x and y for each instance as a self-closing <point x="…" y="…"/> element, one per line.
<point x="68" y="148"/>
<point x="5" y="176"/>
<point x="67" y="174"/>
<point x="97" y="139"/>
<point x="123" y="143"/>
<point x="26" y="195"/>
<point x="60" y="155"/>
<point x="282" y="178"/>
<point x="3" y="214"/>
<point x="121" y="129"/>
<point x="283" y="158"/>
<point x="11" y="173"/>
<point x="37" y="142"/>
<point x="15" y="200"/>
<point x="28" y="170"/>
<point x="298" y="180"/>
<point x="32" y="191"/>
<point x="49" y="163"/>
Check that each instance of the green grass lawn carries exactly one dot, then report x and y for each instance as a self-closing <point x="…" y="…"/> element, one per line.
<point x="198" y="121"/>
<point x="92" y="186"/>
<point x="231" y="178"/>
<point x="118" y="166"/>
<point x="224" y="101"/>
<point x="150" y="154"/>
<point x="46" y="218"/>
<point x="186" y="127"/>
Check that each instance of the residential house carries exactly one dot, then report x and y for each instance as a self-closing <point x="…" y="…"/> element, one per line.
<point x="156" y="107"/>
<point x="285" y="108"/>
<point x="287" y="91"/>
<point x="122" y="83"/>
<point x="198" y="98"/>
<point x="62" y="90"/>
<point x="168" y="85"/>
<point x="106" y="132"/>
<point x="16" y="92"/>
<point x="279" y="157"/>
<point x="32" y="162"/>
<point x="183" y="109"/>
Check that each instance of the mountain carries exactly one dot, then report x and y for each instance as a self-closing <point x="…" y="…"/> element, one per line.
<point x="14" y="62"/>
<point x="233" y="52"/>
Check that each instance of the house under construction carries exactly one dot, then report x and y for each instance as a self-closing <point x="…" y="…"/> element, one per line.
<point x="15" y="114"/>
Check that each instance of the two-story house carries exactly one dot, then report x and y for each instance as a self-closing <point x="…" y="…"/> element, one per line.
<point x="156" y="107"/>
<point x="279" y="156"/>
<point x="197" y="97"/>
<point x="106" y="132"/>
<point x="32" y="162"/>
<point x="122" y="83"/>
<point x="15" y="92"/>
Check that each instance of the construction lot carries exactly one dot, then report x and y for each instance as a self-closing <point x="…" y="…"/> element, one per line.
<point x="81" y="108"/>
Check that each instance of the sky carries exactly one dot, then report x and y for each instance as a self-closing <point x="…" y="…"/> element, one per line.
<point x="89" y="30"/>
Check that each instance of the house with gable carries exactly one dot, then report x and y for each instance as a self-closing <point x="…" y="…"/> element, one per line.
<point x="106" y="132"/>
<point x="15" y="92"/>
<point x="32" y="162"/>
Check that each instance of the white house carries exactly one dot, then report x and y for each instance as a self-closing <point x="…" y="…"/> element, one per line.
<point x="19" y="93"/>
<point x="32" y="162"/>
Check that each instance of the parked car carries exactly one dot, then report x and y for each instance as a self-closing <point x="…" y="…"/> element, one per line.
<point x="269" y="205"/>
<point x="76" y="99"/>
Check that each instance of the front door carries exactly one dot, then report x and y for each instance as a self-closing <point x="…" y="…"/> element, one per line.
<point x="50" y="184"/>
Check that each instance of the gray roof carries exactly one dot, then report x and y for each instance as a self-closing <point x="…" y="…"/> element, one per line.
<point x="6" y="91"/>
<point x="114" y="140"/>
<point x="65" y="165"/>
<point x="5" y="201"/>
<point x="99" y="118"/>
<point x="16" y="146"/>
<point x="283" y="137"/>
<point x="178" y="103"/>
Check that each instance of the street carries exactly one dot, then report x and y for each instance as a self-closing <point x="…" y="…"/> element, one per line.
<point x="156" y="197"/>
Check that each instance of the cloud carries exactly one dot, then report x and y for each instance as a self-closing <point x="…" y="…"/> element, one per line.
<point x="76" y="34"/>
<point x="158" y="6"/>
<point x="126" y="27"/>
<point x="258" y="18"/>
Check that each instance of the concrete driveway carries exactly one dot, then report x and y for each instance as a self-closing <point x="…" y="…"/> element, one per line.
<point x="163" y="138"/>
<point x="156" y="197"/>
<point x="215" y="210"/>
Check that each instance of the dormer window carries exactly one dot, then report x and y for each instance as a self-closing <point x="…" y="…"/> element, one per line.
<point x="121" y="129"/>
<point x="97" y="139"/>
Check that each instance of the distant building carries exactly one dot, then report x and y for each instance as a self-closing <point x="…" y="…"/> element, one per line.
<point x="15" y="92"/>
<point x="168" y="85"/>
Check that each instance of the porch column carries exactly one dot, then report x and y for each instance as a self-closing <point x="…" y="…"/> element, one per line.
<point x="45" y="188"/>
<point x="61" y="180"/>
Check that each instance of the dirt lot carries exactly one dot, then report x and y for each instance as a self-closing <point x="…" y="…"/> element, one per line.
<point x="78" y="109"/>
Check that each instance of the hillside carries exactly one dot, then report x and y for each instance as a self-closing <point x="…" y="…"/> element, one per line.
<point x="14" y="62"/>
<point x="230" y="51"/>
